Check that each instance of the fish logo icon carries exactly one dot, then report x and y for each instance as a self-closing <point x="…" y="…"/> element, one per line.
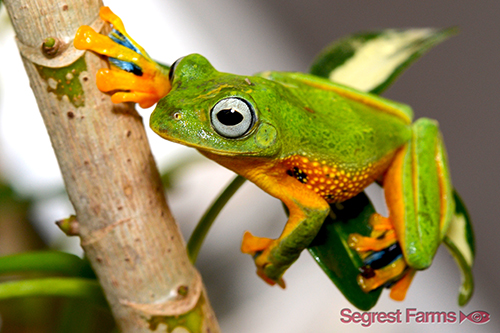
<point x="476" y="317"/>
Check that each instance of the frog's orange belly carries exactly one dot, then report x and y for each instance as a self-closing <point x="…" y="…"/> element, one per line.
<point x="331" y="182"/>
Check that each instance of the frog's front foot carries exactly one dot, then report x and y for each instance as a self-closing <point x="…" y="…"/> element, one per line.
<point x="133" y="76"/>
<point x="383" y="261"/>
<point x="260" y="249"/>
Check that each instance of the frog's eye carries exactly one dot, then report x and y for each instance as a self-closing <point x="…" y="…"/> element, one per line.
<point x="232" y="117"/>
<point x="172" y="69"/>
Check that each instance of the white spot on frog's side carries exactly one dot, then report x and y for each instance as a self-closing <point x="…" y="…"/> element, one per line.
<point x="375" y="60"/>
<point x="456" y="233"/>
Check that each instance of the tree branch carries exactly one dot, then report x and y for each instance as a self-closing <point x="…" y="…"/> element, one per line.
<point x="126" y="228"/>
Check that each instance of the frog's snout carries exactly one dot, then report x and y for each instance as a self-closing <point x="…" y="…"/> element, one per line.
<point x="160" y="120"/>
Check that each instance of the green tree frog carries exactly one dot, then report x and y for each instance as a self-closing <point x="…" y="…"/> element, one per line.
<point x="303" y="139"/>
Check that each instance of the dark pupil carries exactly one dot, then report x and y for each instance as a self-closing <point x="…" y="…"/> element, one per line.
<point x="229" y="117"/>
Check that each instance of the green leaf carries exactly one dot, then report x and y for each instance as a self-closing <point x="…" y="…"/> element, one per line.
<point x="371" y="61"/>
<point x="338" y="261"/>
<point x="52" y="262"/>
<point x="87" y="289"/>
<point x="460" y="242"/>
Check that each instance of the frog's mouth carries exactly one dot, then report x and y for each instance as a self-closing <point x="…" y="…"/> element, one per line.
<point x="260" y="139"/>
<point x="204" y="150"/>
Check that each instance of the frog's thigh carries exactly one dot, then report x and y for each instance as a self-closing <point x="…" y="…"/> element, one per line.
<point x="418" y="194"/>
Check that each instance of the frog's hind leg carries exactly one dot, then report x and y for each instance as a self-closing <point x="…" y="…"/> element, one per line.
<point x="419" y="197"/>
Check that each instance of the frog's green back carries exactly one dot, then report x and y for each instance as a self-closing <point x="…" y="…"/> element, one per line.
<point x="350" y="128"/>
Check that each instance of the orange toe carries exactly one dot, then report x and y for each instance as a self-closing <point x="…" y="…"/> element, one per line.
<point x="399" y="289"/>
<point x="252" y="244"/>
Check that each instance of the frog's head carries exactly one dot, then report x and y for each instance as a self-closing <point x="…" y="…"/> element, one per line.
<point x="215" y="112"/>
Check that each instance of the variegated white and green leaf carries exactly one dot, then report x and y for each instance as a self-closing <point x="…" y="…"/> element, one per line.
<point x="370" y="61"/>
<point x="459" y="240"/>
